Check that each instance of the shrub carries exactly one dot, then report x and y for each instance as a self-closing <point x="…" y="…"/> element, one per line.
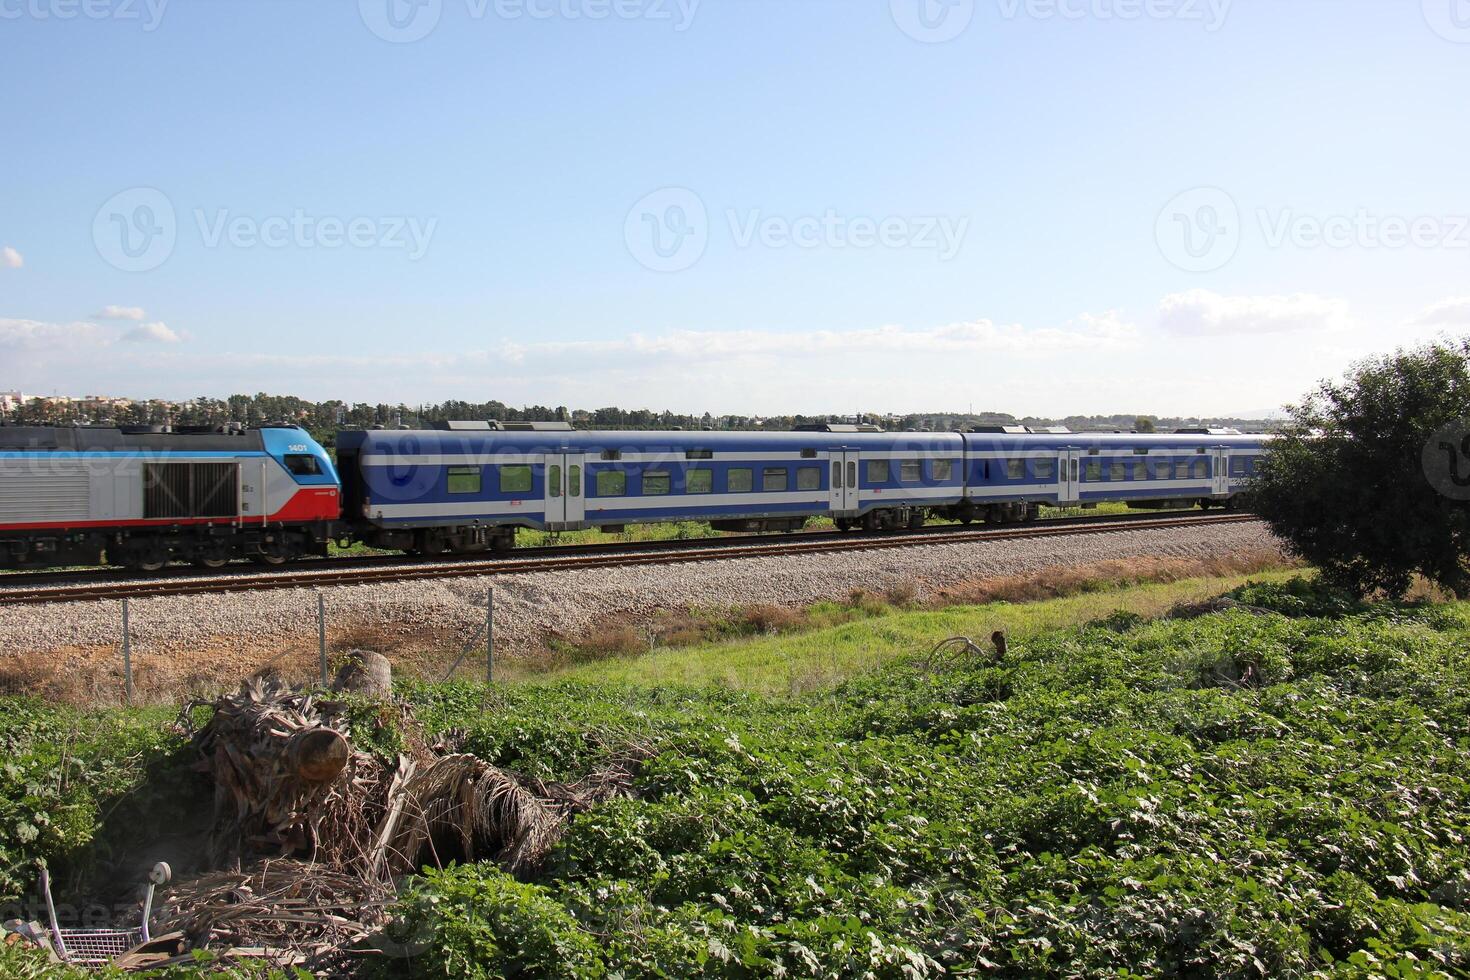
<point x="475" y="921"/>
<point x="1363" y="482"/>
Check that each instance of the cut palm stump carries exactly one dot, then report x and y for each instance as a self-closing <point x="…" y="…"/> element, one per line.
<point x="310" y="835"/>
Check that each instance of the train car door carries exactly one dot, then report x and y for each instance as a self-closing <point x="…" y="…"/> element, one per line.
<point x="566" y="499"/>
<point x="843" y="485"/>
<point x="1069" y="480"/>
<point x="1221" y="463"/>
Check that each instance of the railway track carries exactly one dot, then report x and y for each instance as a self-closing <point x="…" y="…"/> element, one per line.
<point x="362" y="572"/>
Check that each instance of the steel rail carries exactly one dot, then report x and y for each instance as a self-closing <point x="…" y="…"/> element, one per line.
<point x="18" y="579"/>
<point x="620" y="556"/>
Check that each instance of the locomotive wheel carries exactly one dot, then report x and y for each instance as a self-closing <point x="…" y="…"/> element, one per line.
<point x="273" y="558"/>
<point x="843" y="524"/>
<point x="916" y="521"/>
<point x="147" y="561"/>
<point x="211" y="561"/>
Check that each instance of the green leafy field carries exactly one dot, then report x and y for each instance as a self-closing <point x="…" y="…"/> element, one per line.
<point x="1240" y="794"/>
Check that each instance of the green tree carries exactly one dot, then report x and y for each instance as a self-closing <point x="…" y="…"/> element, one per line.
<point x="1366" y="480"/>
<point x="1143" y="424"/>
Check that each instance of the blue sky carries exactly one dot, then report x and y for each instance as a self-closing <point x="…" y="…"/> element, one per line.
<point x="1038" y="206"/>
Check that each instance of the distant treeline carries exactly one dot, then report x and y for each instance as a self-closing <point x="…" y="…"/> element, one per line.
<point x="324" y="418"/>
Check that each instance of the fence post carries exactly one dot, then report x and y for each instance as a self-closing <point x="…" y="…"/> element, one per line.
<point x="321" y="633"/>
<point x="127" y="654"/>
<point x="489" y="634"/>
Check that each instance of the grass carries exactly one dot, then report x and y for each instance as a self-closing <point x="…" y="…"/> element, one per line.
<point x="823" y="657"/>
<point x="1272" y="791"/>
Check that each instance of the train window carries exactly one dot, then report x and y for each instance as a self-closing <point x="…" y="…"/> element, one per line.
<point x="1015" y="469"/>
<point x="553" y="479"/>
<point x="1094" y="471"/>
<point x="515" y="479"/>
<point x="877" y="471"/>
<point x="852" y="483"/>
<point x="1163" y="470"/>
<point x="836" y="476"/>
<point x="574" y="481"/>
<point x="910" y="471"/>
<point x="611" y="454"/>
<point x="1046" y="469"/>
<point x="301" y="464"/>
<point x="943" y="470"/>
<point x="656" y="483"/>
<point x="1201" y="471"/>
<point x="740" y="480"/>
<point x="1181" y="470"/>
<point x="464" y="479"/>
<point x="774" y="478"/>
<point x="1119" y="472"/>
<point x="699" y="454"/>
<point x="612" y="483"/>
<point x="1140" y="471"/>
<point x="808" y="454"/>
<point x="699" y="481"/>
<point x="809" y="478"/>
<point x="1140" y="450"/>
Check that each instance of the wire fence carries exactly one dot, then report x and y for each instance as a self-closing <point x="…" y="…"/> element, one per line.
<point x="296" y="636"/>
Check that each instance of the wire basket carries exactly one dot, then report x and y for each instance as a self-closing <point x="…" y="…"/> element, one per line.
<point x="98" y="947"/>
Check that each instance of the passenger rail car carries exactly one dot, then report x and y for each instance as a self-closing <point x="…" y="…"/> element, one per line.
<point x="466" y="491"/>
<point x="144" y="497"/>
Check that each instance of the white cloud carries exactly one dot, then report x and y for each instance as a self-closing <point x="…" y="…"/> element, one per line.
<point x="1447" y="313"/>
<point x="27" y="336"/>
<point x="158" y="332"/>
<point x="121" y="313"/>
<point x="10" y="258"/>
<point x="977" y="336"/>
<point x="1202" y="313"/>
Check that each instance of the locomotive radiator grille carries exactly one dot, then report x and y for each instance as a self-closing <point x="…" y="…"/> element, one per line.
<point x="59" y="493"/>
<point x="184" y="490"/>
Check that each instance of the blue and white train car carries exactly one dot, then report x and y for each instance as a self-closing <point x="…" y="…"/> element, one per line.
<point x="1008" y="477"/>
<point x="465" y="491"/>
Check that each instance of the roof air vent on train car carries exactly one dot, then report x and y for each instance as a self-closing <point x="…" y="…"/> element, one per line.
<point x="536" y="426"/>
<point x="1002" y="430"/>
<point x="835" y="427"/>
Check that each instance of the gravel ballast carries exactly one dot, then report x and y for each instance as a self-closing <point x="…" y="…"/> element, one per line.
<point x="529" y="608"/>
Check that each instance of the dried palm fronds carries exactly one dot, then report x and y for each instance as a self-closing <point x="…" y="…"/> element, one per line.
<point x="281" y="764"/>
<point x="292" y="908"/>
